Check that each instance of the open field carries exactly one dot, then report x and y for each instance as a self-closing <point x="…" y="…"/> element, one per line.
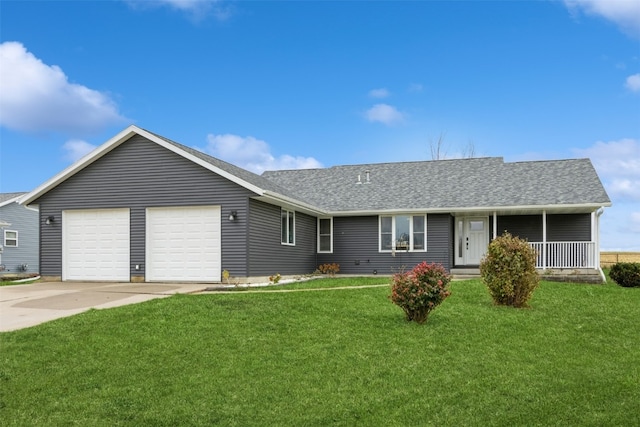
<point x="607" y="259"/>
<point x="335" y="357"/>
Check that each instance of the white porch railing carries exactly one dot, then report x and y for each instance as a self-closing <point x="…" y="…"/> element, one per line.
<point x="565" y="254"/>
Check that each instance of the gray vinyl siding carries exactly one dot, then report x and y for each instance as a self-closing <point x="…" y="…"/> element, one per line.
<point x="267" y="255"/>
<point x="355" y="246"/>
<point x="560" y="227"/>
<point x="137" y="225"/>
<point x="569" y="228"/>
<point x="527" y="227"/>
<point x="140" y="174"/>
<point x="25" y="222"/>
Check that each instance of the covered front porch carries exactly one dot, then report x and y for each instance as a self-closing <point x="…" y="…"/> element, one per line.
<point x="566" y="241"/>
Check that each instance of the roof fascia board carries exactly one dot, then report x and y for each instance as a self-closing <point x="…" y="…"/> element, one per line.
<point x="471" y="210"/>
<point x="284" y="201"/>
<point x="9" y="201"/>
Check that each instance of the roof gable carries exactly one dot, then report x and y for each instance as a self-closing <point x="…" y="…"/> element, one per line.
<point x="253" y="182"/>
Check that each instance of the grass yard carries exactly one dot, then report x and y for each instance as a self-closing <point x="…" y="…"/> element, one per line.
<point x="339" y="357"/>
<point x="11" y="280"/>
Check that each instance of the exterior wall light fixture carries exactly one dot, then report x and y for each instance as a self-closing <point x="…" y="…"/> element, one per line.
<point x="233" y="215"/>
<point x="50" y="220"/>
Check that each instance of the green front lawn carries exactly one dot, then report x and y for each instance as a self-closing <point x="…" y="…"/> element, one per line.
<point x="322" y="282"/>
<point x="340" y="357"/>
<point x="18" y="280"/>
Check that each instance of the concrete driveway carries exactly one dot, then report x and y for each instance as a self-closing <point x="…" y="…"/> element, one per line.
<point x="22" y="306"/>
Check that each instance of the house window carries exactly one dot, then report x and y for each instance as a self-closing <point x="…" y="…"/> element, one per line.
<point x="325" y="234"/>
<point x="288" y="227"/>
<point x="11" y="238"/>
<point x="403" y="233"/>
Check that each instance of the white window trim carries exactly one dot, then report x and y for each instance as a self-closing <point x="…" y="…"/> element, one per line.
<point x="393" y="233"/>
<point x="10" y="239"/>
<point x="289" y="232"/>
<point x="330" y="251"/>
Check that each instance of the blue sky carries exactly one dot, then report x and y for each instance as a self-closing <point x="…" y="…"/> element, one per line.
<point x="293" y="84"/>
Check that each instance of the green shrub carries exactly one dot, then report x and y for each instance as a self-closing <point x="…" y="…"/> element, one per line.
<point x="626" y="274"/>
<point x="420" y="290"/>
<point x="509" y="271"/>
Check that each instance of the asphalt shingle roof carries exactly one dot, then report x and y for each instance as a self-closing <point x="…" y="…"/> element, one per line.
<point x="8" y="196"/>
<point x="445" y="184"/>
<point x="486" y="182"/>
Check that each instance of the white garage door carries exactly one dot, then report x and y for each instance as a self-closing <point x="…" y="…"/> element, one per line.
<point x="183" y="244"/>
<point x="95" y="244"/>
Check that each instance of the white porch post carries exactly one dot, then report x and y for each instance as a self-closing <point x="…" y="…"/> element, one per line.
<point x="495" y="224"/>
<point x="544" y="239"/>
<point x="595" y="236"/>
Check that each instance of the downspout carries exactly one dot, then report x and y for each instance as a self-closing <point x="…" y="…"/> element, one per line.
<point x="495" y="225"/>
<point x="596" y="236"/>
<point x="544" y="240"/>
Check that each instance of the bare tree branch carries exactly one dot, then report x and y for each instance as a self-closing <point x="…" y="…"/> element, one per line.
<point x="469" y="151"/>
<point x="438" y="151"/>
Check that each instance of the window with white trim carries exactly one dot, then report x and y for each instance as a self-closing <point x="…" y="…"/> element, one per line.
<point x="288" y="227"/>
<point x="403" y="233"/>
<point x="11" y="238"/>
<point x="325" y="235"/>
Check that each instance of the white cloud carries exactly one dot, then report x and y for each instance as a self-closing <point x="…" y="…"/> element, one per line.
<point x="384" y="113"/>
<point x="618" y="165"/>
<point x="186" y="4"/>
<point x="254" y="154"/>
<point x="197" y="9"/>
<point x="75" y="149"/>
<point x="633" y="82"/>
<point x="624" y="13"/>
<point x="615" y="159"/>
<point x="415" y="87"/>
<point x="379" y="93"/>
<point x="35" y="97"/>
<point x="624" y="188"/>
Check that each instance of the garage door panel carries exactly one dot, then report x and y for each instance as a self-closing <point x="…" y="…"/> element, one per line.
<point x="183" y="244"/>
<point x="96" y="244"/>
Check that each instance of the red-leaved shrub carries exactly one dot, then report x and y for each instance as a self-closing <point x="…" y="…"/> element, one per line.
<point x="420" y="290"/>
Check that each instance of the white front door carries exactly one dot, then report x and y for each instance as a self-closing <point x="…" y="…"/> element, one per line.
<point x="472" y="239"/>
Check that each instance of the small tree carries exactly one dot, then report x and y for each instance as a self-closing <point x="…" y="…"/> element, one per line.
<point x="420" y="291"/>
<point x="509" y="271"/>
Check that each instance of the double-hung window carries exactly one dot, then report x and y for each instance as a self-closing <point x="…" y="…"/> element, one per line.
<point x="11" y="238"/>
<point x="403" y="233"/>
<point x="288" y="227"/>
<point x="325" y="235"/>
